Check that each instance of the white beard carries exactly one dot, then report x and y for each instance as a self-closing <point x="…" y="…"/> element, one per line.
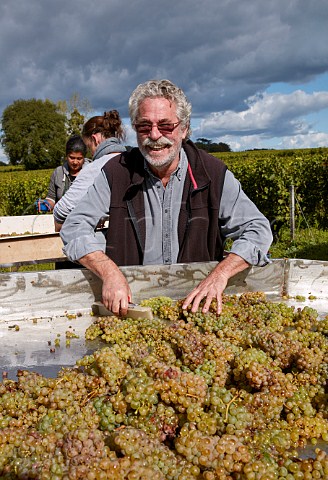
<point x="162" y="142"/>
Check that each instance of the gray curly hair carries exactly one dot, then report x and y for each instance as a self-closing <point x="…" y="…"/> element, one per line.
<point x="161" y="88"/>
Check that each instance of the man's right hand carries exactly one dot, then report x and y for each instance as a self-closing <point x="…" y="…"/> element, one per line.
<point x="116" y="293"/>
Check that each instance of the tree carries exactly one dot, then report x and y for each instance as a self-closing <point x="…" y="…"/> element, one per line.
<point x="75" y="123"/>
<point x="204" y="141"/>
<point x="34" y="134"/>
<point x="223" y="147"/>
<point x="211" y="147"/>
<point x="75" y="111"/>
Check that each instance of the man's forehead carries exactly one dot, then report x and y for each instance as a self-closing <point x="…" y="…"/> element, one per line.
<point x="156" y="105"/>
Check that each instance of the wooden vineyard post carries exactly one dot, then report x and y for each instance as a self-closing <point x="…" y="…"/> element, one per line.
<point x="292" y="211"/>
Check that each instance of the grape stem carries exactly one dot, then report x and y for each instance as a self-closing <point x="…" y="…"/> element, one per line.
<point x="233" y="400"/>
<point x="61" y="380"/>
<point x="90" y="395"/>
<point x="120" y="428"/>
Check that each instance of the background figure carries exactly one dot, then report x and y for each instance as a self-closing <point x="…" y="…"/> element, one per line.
<point x="61" y="180"/>
<point x="64" y="175"/>
<point x="102" y="135"/>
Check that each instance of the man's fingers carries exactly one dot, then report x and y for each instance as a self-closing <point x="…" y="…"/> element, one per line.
<point x="119" y="306"/>
<point x="188" y="300"/>
<point x="219" y="305"/>
<point x="207" y="304"/>
<point x="124" y="306"/>
<point x="195" y="298"/>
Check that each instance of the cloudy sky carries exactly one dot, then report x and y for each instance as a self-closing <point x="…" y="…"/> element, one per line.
<point x="255" y="71"/>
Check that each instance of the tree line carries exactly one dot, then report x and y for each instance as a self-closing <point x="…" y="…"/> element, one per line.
<point x="212" y="147"/>
<point x="34" y="132"/>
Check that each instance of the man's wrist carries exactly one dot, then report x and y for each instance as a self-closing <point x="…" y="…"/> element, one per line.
<point x="231" y="265"/>
<point x="99" y="263"/>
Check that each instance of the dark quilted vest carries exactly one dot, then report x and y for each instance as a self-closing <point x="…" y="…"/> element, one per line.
<point x="198" y="227"/>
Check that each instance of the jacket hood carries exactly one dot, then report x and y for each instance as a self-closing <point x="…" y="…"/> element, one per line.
<point x="110" y="145"/>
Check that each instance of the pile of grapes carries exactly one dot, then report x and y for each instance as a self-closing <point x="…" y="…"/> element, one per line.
<point x="184" y="396"/>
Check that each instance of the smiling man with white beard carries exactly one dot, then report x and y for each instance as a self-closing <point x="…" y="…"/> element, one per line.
<point x="168" y="202"/>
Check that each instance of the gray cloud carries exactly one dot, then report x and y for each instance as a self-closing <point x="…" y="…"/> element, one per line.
<point x="221" y="53"/>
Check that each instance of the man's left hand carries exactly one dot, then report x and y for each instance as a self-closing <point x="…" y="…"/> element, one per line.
<point x="214" y="284"/>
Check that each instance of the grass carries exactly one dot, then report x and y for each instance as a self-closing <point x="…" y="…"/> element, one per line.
<point x="309" y="244"/>
<point x="33" y="267"/>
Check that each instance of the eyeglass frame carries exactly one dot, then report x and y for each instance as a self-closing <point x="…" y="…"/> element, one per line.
<point x="157" y="125"/>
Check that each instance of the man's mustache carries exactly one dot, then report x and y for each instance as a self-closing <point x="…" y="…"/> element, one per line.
<point x="161" y="142"/>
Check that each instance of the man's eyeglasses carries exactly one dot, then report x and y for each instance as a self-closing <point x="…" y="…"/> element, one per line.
<point x="164" y="128"/>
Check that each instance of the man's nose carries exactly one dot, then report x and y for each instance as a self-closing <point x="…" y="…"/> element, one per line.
<point x="154" y="133"/>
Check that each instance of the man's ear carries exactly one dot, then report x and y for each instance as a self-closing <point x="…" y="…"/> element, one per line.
<point x="185" y="131"/>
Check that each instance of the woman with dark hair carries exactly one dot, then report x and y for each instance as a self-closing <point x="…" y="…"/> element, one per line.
<point x="64" y="175"/>
<point x="103" y="135"/>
